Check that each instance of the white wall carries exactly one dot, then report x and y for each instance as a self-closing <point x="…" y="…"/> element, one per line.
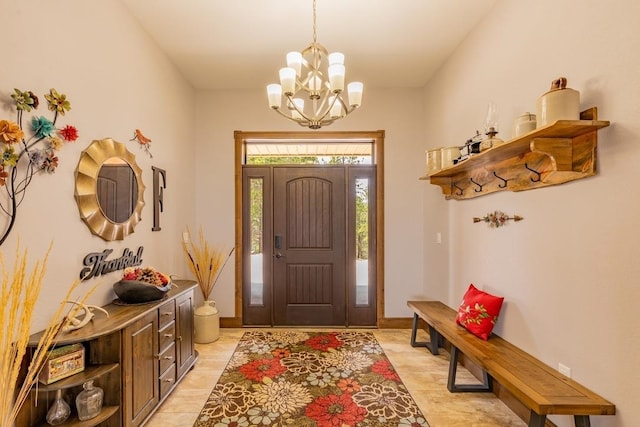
<point x="117" y="80"/>
<point x="399" y="113"/>
<point x="569" y="270"/>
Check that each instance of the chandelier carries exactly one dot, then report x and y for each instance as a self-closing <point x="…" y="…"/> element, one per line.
<point x="317" y="77"/>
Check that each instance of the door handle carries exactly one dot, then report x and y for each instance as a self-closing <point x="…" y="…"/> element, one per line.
<point x="278" y="255"/>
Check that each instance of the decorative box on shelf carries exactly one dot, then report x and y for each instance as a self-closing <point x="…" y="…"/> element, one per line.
<point x="62" y="362"/>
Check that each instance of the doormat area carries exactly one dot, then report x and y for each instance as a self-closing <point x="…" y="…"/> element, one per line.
<point x="297" y="378"/>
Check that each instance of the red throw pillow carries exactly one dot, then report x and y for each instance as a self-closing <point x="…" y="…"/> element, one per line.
<point x="479" y="311"/>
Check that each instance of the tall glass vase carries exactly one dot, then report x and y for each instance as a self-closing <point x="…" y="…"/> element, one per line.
<point x="59" y="410"/>
<point x="206" y="323"/>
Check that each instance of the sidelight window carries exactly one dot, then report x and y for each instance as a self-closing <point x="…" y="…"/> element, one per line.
<point x="361" y="243"/>
<point x="256" y="220"/>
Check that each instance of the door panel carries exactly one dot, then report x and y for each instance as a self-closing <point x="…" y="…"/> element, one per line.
<point x="309" y="279"/>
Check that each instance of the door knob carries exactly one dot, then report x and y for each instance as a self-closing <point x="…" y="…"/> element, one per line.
<point x="278" y="255"/>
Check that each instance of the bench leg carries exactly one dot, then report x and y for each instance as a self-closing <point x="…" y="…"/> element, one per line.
<point x="487" y="381"/>
<point x="582" y="420"/>
<point x="434" y="337"/>
<point x="537" y="420"/>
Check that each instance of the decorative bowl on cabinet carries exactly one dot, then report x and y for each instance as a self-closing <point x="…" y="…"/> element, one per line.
<point x="138" y="292"/>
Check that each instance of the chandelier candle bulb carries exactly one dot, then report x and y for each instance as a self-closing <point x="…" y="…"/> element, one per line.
<point x="315" y="84"/>
<point x="299" y="103"/>
<point x="294" y="60"/>
<point x="274" y="91"/>
<point x="336" y="58"/>
<point x="336" y="77"/>
<point x="355" y="93"/>
<point x="288" y="80"/>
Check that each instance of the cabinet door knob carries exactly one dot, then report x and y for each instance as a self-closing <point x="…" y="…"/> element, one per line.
<point x="168" y="380"/>
<point x="168" y="335"/>
<point x="168" y="313"/>
<point x="168" y="358"/>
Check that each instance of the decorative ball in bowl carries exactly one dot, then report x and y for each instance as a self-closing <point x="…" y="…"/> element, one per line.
<point x="139" y="292"/>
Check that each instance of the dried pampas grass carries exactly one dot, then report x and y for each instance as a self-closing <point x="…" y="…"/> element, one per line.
<point x="205" y="261"/>
<point x="19" y="295"/>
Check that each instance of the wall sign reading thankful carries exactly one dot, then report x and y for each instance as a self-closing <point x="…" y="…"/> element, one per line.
<point x="96" y="263"/>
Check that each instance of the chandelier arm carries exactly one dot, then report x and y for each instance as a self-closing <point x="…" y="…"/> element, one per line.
<point x="348" y="109"/>
<point x="301" y="122"/>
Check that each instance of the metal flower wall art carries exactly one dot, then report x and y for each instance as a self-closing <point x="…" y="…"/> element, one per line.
<point x="29" y="147"/>
<point x="497" y="219"/>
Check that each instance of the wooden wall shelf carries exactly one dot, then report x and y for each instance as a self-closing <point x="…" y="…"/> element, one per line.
<point x="561" y="152"/>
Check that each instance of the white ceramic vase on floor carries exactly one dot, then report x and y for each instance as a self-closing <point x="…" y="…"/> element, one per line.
<point x="206" y="323"/>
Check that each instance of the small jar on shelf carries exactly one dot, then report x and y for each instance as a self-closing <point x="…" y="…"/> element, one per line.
<point x="89" y="401"/>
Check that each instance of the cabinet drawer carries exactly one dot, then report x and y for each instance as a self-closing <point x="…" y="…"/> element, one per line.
<point x="166" y="336"/>
<point x="167" y="380"/>
<point x="167" y="357"/>
<point x="166" y="313"/>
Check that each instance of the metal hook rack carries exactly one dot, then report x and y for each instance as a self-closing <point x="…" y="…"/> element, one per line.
<point x="534" y="171"/>
<point x="504" y="181"/>
<point x="479" y="189"/>
<point x="460" y="189"/>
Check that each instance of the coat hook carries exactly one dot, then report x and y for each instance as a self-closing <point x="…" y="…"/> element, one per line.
<point x="479" y="189"/>
<point x="460" y="190"/>
<point x="534" y="171"/>
<point x="504" y="181"/>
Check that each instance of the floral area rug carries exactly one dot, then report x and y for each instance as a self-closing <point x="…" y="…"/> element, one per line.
<point x="296" y="378"/>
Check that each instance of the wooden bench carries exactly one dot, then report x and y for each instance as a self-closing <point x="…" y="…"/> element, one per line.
<point x="542" y="389"/>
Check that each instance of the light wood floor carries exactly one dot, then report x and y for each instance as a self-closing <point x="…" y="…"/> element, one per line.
<point x="424" y="375"/>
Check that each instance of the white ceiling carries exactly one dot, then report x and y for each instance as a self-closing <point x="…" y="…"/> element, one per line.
<point x="236" y="44"/>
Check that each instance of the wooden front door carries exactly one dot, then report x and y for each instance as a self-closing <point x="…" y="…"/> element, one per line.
<point x="309" y="246"/>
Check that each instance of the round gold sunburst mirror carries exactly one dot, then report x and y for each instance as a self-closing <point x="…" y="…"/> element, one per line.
<point x="109" y="189"/>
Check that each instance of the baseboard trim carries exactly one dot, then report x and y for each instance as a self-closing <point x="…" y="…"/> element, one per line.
<point x="395" y="323"/>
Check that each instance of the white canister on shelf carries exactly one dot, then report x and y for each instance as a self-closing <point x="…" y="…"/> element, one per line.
<point x="560" y="103"/>
<point x="433" y="160"/>
<point x="448" y="155"/>
<point x="524" y="124"/>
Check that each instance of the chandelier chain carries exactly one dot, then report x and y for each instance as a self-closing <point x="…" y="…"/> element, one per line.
<point x="315" y="32"/>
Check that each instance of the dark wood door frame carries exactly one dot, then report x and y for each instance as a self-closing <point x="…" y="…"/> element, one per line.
<point x="377" y="139"/>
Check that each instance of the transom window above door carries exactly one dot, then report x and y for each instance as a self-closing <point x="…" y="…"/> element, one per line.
<point x="306" y="152"/>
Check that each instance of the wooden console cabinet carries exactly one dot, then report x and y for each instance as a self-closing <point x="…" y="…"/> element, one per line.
<point x="137" y="356"/>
